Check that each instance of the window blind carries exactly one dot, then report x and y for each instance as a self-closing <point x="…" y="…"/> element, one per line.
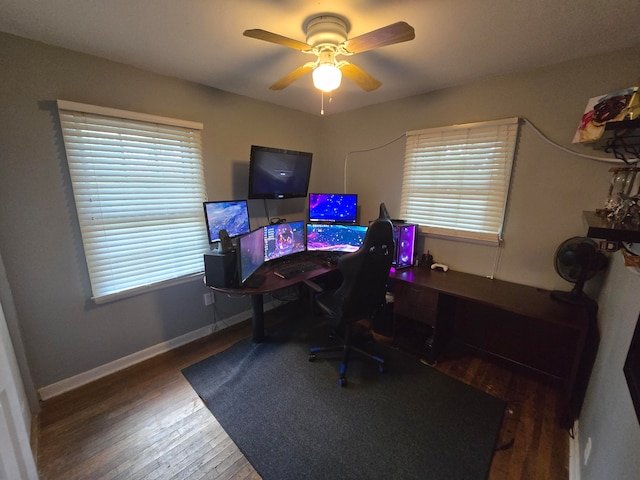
<point x="456" y="179"/>
<point x="138" y="184"/>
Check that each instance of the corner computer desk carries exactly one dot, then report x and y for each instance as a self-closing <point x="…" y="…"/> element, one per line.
<point x="272" y="283"/>
<point x="518" y="323"/>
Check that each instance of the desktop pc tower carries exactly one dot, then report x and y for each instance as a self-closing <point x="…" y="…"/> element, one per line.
<point x="221" y="269"/>
<point x="404" y="236"/>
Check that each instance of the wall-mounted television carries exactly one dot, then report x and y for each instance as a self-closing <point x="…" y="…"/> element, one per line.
<point x="333" y="208"/>
<point x="278" y="173"/>
<point x="283" y="239"/>
<point x="232" y="216"/>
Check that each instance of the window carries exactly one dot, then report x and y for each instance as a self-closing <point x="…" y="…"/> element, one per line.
<point x="456" y="179"/>
<point x="138" y="185"/>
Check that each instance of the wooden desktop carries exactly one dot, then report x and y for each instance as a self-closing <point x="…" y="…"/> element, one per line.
<point x="272" y="283"/>
<point x="517" y="323"/>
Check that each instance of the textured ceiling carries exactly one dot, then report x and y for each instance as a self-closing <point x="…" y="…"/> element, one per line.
<point x="456" y="41"/>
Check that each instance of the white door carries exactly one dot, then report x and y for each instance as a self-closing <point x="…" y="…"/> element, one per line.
<point x="16" y="458"/>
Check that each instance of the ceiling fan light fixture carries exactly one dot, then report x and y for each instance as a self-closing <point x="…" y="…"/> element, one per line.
<point x="327" y="77"/>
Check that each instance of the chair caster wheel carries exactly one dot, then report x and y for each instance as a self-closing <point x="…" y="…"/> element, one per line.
<point x="342" y="382"/>
<point x="312" y="357"/>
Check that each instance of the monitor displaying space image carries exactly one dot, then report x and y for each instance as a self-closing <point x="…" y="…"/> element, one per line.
<point x="335" y="238"/>
<point x="251" y="252"/>
<point x="283" y="239"/>
<point x="333" y="208"/>
<point x="232" y="216"/>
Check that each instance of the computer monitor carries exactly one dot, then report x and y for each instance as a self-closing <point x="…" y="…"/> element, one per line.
<point x="335" y="238"/>
<point x="251" y="252"/>
<point x="333" y="208"/>
<point x="231" y="215"/>
<point x="283" y="239"/>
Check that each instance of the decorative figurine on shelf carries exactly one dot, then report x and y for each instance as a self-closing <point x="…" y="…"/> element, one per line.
<point x="627" y="212"/>
<point x="622" y="206"/>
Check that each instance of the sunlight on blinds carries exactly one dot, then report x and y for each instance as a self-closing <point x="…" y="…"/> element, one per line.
<point x="138" y="184"/>
<point x="456" y="179"/>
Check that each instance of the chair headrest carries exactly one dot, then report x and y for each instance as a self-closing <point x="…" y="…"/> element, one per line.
<point x="384" y="213"/>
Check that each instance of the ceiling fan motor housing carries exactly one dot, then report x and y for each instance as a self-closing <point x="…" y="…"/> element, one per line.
<point x="326" y="29"/>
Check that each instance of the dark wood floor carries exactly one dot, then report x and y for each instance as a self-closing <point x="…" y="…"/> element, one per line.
<point x="146" y="422"/>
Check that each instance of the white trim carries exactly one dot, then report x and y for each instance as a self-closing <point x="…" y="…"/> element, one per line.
<point x="505" y="121"/>
<point x="71" y="383"/>
<point x="114" y="112"/>
<point x="132" y="292"/>
<point x="574" y="454"/>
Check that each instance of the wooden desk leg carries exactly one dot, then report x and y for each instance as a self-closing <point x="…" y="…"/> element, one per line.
<point x="257" y="305"/>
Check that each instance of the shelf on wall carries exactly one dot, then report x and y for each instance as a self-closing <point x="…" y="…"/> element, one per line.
<point x="622" y="138"/>
<point x="599" y="226"/>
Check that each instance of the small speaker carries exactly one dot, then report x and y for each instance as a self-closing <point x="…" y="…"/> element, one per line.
<point x="220" y="269"/>
<point x="225" y="242"/>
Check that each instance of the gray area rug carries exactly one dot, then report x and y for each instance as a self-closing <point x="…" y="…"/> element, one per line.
<point x="292" y="420"/>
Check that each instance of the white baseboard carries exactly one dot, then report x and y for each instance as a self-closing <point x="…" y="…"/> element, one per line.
<point x="574" y="454"/>
<point x="89" y="376"/>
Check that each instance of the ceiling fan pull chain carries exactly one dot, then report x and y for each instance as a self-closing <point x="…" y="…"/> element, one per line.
<point x="321" y="102"/>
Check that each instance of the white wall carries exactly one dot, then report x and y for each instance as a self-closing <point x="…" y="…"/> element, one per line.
<point x="608" y="416"/>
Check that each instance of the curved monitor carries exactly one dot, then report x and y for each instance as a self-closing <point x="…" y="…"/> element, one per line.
<point x="333" y="207"/>
<point x="335" y="238"/>
<point x="278" y="173"/>
<point x="283" y="239"/>
<point x="232" y="216"/>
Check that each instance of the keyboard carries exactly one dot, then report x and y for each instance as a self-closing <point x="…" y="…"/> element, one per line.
<point x="295" y="269"/>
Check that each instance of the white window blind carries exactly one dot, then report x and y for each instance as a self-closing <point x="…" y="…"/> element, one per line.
<point x="456" y="179"/>
<point x="138" y="184"/>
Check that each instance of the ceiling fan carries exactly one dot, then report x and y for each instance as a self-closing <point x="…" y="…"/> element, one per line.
<point x="327" y="39"/>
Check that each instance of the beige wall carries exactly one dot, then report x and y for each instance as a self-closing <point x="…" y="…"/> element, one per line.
<point x="65" y="333"/>
<point x="550" y="188"/>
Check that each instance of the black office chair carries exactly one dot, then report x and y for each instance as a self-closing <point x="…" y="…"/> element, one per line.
<point x="362" y="292"/>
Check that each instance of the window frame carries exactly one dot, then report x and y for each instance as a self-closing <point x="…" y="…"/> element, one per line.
<point x="476" y="215"/>
<point x="159" y="161"/>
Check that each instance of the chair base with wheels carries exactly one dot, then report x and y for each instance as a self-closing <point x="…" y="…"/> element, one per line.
<point x="346" y="350"/>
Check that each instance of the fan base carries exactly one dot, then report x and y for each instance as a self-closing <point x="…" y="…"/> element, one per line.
<point x="573" y="298"/>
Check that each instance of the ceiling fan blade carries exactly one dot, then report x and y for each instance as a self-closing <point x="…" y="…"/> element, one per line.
<point x="361" y="78"/>
<point x="394" y="33"/>
<point x="292" y="76"/>
<point x="275" y="38"/>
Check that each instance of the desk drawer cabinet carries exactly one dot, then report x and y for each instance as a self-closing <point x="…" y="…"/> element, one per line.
<point x="418" y="324"/>
<point x="416" y="303"/>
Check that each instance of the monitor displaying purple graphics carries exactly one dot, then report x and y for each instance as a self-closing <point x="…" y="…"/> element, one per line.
<point x="278" y="173"/>
<point x="251" y="253"/>
<point x="333" y="207"/>
<point x="335" y="238"/>
<point x="283" y="239"/>
<point x="232" y="216"/>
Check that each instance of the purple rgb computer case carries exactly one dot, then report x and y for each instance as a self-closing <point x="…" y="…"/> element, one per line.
<point x="405" y="239"/>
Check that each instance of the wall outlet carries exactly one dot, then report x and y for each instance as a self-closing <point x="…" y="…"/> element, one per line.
<point x="209" y="298"/>
<point x="587" y="451"/>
